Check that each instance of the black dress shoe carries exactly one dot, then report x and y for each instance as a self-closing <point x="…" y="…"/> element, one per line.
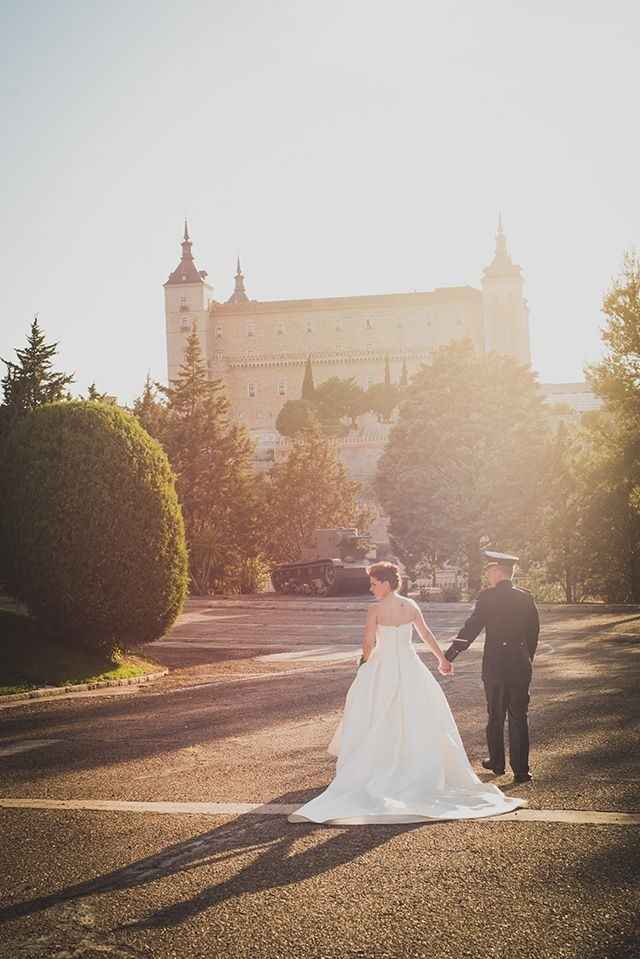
<point x="521" y="780"/>
<point x="487" y="764"/>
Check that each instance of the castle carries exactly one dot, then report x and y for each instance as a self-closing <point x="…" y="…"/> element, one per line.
<point x="259" y="348"/>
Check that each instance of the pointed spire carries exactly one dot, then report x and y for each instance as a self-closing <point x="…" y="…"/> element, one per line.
<point x="239" y="294"/>
<point x="501" y="241"/>
<point x="186" y="271"/>
<point x="502" y="264"/>
<point x="186" y="243"/>
<point x="308" y="386"/>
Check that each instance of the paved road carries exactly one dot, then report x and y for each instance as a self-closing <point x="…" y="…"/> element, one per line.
<point x="254" y="695"/>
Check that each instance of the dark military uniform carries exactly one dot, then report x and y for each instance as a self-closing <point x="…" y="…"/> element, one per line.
<point x="510" y="619"/>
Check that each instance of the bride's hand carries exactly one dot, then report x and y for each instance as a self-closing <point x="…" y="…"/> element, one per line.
<point x="445" y="667"/>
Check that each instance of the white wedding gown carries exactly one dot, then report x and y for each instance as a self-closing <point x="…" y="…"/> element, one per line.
<point x="400" y="756"/>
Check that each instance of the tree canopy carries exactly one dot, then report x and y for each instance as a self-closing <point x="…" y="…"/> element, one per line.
<point x="461" y="464"/>
<point x="309" y="490"/>
<point x="336" y="404"/>
<point x="611" y="513"/>
<point x="92" y="538"/>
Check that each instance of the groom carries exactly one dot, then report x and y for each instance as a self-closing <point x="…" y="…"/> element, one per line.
<point x="510" y="619"/>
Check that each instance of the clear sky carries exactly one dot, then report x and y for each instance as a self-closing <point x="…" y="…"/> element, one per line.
<point x="340" y="146"/>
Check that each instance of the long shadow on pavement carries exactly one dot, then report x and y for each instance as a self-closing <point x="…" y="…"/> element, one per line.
<point x="274" y="864"/>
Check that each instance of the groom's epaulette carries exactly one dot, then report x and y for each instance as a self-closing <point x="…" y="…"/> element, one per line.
<point x="523" y="589"/>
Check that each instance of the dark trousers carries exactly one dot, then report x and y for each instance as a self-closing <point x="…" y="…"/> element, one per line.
<point x="512" y="699"/>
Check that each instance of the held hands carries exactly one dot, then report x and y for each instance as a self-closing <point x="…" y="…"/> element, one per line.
<point x="445" y="668"/>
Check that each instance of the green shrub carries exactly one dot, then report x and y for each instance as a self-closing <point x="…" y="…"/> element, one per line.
<point x="91" y="533"/>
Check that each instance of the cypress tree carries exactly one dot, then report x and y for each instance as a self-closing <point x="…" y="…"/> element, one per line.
<point x="308" y="386"/>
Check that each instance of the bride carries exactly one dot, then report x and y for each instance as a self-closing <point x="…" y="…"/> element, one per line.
<point x="399" y="754"/>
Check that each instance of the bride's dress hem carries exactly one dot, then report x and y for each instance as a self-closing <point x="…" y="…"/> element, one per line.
<point x="408" y="818"/>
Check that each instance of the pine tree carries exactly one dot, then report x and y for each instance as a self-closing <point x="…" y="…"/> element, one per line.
<point x="31" y="381"/>
<point x="215" y="482"/>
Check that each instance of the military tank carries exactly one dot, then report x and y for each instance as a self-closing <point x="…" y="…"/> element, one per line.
<point x="334" y="562"/>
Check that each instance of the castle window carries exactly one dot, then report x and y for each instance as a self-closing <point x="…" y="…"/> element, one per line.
<point x="309" y="326"/>
<point x="183" y="303"/>
<point x="219" y="330"/>
<point x="368" y="323"/>
<point x="185" y="325"/>
<point x="280" y="328"/>
<point x="251" y="328"/>
<point x="251" y="390"/>
<point x="339" y="328"/>
<point x="282" y="388"/>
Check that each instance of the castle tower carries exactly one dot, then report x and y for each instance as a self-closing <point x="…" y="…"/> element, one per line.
<point x="505" y="314"/>
<point x="186" y="306"/>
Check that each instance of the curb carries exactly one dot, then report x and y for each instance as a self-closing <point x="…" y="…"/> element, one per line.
<point x="80" y="687"/>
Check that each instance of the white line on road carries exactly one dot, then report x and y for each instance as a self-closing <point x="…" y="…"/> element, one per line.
<point x="25" y="746"/>
<point x="573" y="816"/>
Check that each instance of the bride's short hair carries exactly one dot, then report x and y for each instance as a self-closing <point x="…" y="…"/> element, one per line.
<point x="385" y="573"/>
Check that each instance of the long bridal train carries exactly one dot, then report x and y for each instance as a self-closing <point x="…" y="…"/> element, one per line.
<point x="399" y="754"/>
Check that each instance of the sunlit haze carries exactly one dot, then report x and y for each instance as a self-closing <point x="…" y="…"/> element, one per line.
<point x="339" y="147"/>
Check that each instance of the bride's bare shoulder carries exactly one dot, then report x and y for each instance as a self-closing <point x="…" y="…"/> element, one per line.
<point x="408" y="605"/>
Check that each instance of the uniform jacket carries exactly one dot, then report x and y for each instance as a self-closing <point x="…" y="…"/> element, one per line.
<point x="510" y="619"/>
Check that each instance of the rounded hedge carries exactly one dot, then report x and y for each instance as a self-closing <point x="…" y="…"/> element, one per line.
<point x="91" y="532"/>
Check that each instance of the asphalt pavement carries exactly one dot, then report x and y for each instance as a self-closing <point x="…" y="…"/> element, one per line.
<point x="255" y="691"/>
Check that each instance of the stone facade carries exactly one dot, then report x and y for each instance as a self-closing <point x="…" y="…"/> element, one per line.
<point x="259" y="349"/>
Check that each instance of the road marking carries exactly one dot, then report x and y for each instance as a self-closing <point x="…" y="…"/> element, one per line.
<point x="329" y="653"/>
<point x="572" y="816"/>
<point x="25" y="746"/>
<point x="313" y="654"/>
